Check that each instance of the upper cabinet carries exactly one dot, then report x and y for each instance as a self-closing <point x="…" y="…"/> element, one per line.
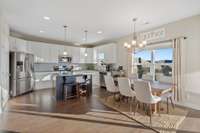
<point x="107" y="53"/>
<point x="17" y="44"/>
<point x="48" y="53"/>
<point x="89" y="57"/>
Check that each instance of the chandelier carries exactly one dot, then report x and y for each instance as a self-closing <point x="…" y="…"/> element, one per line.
<point x="134" y="42"/>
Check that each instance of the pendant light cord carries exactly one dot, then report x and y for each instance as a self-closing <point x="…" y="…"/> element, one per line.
<point x="65" y="32"/>
<point x="86" y="32"/>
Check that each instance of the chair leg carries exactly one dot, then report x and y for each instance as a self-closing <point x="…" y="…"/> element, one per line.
<point x="159" y="108"/>
<point x="167" y="105"/>
<point x="131" y="104"/>
<point x="143" y="106"/>
<point x="114" y="99"/>
<point x="107" y="95"/>
<point x="136" y="107"/>
<point x="120" y="100"/>
<point x="150" y="111"/>
<point x="172" y="102"/>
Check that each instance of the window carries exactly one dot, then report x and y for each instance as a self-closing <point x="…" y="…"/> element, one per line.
<point x="143" y="63"/>
<point x="163" y="64"/>
<point x="154" y="64"/>
<point x="101" y="56"/>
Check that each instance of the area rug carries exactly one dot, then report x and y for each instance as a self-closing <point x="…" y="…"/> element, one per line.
<point x="165" y="123"/>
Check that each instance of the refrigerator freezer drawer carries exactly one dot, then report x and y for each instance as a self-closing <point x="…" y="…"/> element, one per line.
<point x="23" y="86"/>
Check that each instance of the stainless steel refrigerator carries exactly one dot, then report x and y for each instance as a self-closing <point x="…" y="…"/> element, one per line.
<point x="21" y="73"/>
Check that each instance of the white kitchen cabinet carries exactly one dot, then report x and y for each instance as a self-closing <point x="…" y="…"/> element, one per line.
<point x="89" y="58"/>
<point x="48" y="53"/>
<point x="108" y="51"/>
<point x="54" y="52"/>
<point x="37" y="52"/>
<point x="75" y="55"/>
<point x="20" y="45"/>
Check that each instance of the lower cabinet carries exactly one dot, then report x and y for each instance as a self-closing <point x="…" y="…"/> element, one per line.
<point x="44" y="80"/>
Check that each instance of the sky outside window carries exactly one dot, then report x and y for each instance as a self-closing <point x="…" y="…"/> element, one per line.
<point x="163" y="54"/>
<point x="160" y="54"/>
<point x="145" y="55"/>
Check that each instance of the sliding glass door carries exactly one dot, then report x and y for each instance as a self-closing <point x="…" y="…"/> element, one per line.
<point x="154" y="64"/>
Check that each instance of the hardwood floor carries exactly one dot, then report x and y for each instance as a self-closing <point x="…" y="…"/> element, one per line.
<point x="40" y="112"/>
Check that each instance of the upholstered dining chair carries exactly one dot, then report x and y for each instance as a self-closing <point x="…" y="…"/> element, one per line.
<point x="126" y="90"/>
<point x="169" y="95"/>
<point x="132" y="77"/>
<point x="144" y="95"/>
<point x="110" y="85"/>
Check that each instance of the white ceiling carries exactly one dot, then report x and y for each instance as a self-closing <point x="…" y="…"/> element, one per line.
<point x="113" y="17"/>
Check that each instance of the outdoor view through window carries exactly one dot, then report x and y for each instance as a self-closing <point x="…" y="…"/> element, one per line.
<point x="154" y="64"/>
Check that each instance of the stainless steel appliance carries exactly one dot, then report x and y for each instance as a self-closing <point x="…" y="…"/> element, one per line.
<point x="64" y="59"/>
<point x="21" y="73"/>
<point x="64" y="63"/>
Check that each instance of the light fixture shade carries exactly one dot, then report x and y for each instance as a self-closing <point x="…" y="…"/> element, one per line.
<point x="133" y="42"/>
<point x="125" y="44"/>
<point x="141" y="45"/>
<point x="144" y="42"/>
<point x="86" y="54"/>
<point x="64" y="53"/>
<point x="128" y="46"/>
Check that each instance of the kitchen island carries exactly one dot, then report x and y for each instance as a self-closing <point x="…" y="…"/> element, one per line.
<point x="68" y="85"/>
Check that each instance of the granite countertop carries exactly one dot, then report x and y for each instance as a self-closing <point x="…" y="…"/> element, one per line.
<point x="68" y="74"/>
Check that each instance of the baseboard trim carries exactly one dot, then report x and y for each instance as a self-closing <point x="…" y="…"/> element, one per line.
<point x="188" y="105"/>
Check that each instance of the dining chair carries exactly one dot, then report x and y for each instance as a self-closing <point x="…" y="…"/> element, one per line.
<point x="144" y="95"/>
<point x="169" y="95"/>
<point x="126" y="90"/>
<point x="110" y="85"/>
<point x="133" y="77"/>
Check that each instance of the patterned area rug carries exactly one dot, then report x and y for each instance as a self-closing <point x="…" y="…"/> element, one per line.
<point x="165" y="123"/>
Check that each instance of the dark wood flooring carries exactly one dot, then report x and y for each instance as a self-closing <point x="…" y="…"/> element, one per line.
<point x="44" y="101"/>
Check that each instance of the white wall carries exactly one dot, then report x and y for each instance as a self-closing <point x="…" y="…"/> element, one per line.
<point x="4" y="61"/>
<point x="190" y="28"/>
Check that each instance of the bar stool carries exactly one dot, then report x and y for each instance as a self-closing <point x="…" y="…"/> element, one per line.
<point x="82" y="83"/>
<point x="69" y="88"/>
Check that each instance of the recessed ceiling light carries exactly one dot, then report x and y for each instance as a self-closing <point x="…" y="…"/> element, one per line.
<point x="41" y="31"/>
<point x="99" y="32"/>
<point x="46" y="18"/>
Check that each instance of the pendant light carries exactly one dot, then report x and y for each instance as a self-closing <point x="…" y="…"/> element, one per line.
<point x="86" y="54"/>
<point x="65" y="37"/>
<point x="134" y="42"/>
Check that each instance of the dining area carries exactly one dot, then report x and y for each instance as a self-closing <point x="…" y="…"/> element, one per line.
<point x="149" y="102"/>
